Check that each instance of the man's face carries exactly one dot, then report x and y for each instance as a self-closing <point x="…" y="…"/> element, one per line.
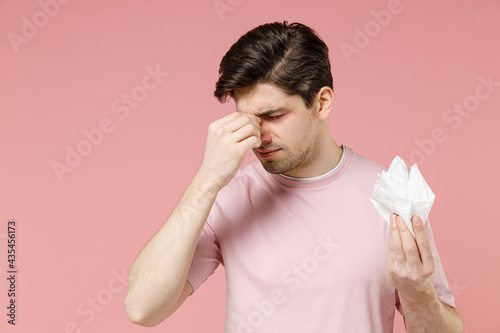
<point x="289" y="131"/>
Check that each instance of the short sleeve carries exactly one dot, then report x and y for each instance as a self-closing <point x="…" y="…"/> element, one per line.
<point x="206" y="259"/>
<point x="438" y="278"/>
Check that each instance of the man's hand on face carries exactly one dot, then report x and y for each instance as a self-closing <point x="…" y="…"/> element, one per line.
<point x="411" y="262"/>
<point x="228" y="141"/>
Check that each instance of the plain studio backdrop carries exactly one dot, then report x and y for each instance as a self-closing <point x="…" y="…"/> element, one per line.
<point x="104" y="108"/>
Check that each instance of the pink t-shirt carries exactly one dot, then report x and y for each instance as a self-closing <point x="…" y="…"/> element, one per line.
<point x="303" y="255"/>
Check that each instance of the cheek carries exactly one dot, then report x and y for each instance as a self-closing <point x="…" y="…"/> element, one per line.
<point x="289" y="133"/>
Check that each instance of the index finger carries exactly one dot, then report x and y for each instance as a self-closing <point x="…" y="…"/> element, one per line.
<point x="422" y="241"/>
<point x="252" y="117"/>
<point x="227" y="118"/>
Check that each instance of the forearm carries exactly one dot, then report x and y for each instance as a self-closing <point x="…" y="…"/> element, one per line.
<point x="159" y="272"/>
<point x="158" y="276"/>
<point x="424" y="312"/>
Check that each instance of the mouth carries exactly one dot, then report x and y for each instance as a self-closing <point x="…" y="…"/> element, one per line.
<point x="267" y="153"/>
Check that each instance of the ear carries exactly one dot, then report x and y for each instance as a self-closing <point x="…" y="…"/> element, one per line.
<point x="324" y="100"/>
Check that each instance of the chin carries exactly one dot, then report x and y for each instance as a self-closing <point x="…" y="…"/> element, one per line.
<point x="272" y="167"/>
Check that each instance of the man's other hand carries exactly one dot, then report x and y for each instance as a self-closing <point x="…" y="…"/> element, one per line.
<point x="411" y="262"/>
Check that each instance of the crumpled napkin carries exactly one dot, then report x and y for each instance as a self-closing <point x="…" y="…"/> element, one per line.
<point x="406" y="195"/>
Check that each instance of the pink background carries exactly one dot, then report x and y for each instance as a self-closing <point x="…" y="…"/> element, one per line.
<point x="76" y="233"/>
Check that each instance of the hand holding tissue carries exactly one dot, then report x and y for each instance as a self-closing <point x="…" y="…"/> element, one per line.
<point x="406" y="195"/>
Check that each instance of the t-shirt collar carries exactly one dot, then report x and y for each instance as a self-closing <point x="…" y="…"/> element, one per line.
<point x="326" y="178"/>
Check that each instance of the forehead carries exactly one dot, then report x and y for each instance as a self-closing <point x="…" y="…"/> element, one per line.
<point x="263" y="98"/>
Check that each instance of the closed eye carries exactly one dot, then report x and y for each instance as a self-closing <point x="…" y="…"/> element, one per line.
<point x="274" y="117"/>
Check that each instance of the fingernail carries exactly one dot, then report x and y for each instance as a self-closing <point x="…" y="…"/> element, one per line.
<point x="416" y="220"/>
<point x="393" y="221"/>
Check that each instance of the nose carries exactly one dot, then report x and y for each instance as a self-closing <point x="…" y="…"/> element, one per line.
<point x="265" y="136"/>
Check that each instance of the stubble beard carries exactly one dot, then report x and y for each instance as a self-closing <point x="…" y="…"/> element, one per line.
<point x="306" y="153"/>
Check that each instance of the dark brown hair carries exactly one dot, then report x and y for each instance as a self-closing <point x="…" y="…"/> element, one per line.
<point x="290" y="56"/>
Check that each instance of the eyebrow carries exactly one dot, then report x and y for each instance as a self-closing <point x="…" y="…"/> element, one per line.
<point x="267" y="112"/>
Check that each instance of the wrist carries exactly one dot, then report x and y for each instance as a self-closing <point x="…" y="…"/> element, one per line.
<point x="424" y="298"/>
<point x="206" y="183"/>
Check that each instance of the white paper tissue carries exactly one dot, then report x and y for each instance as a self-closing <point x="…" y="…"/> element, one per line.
<point x="406" y="195"/>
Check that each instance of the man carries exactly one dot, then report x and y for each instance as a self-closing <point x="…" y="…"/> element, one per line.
<point x="304" y="250"/>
